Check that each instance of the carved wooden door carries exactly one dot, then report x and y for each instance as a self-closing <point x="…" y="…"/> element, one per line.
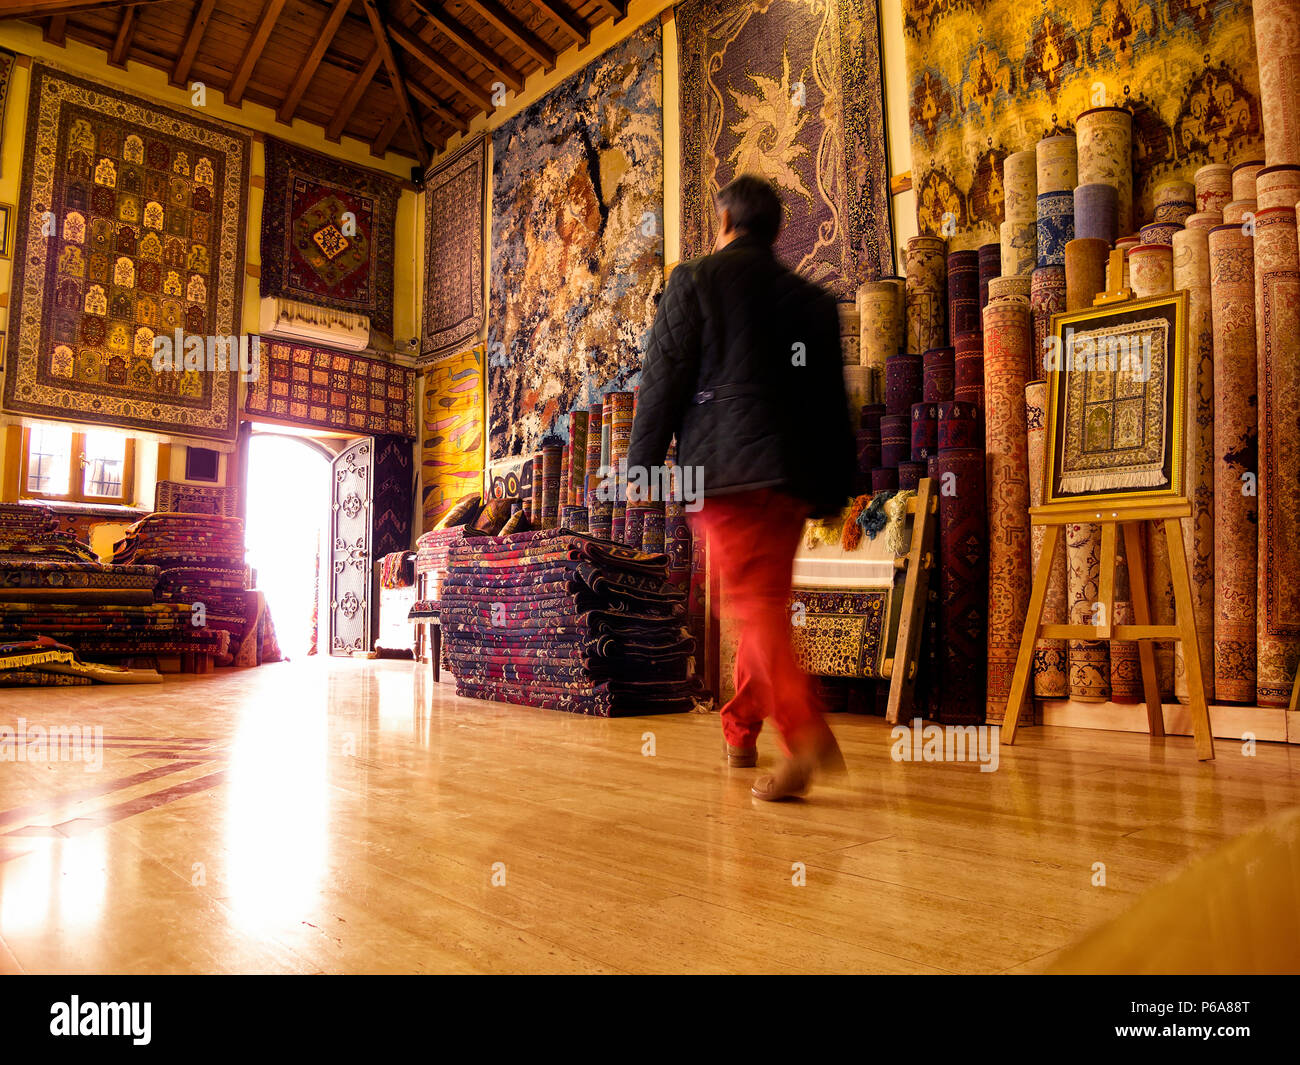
<point x="350" y="583"/>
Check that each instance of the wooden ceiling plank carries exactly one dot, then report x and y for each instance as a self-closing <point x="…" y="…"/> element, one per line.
<point x="265" y="24"/>
<point x="463" y="37"/>
<point x="397" y="82"/>
<point x="55" y="30"/>
<point x="353" y="95"/>
<point x="122" y="42"/>
<point x="566" y="18"/>
<point x="42" y="8"/>
<point x="496" y="15"/>
<point x="309" y="65"/>
<point x="440" y="65"/>
<point x="185" y="61"/>
<point x="438" y="107"/>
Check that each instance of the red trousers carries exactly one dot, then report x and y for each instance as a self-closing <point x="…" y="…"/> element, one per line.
<point x="752" y="538"/>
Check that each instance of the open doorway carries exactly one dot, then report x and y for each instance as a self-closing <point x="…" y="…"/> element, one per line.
<point x="288" y="496"/>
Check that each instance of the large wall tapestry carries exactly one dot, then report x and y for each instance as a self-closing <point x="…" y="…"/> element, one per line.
<point x="336" y="390"/>
<point x="790" y="90"/>
<point x="451" y="433"/>
<point x="991" y="77"/>
<point x="577" y="243"/>
<point x="147" y="208"/>
<point x="327" y="234"/>
<point x="453" y="251"/>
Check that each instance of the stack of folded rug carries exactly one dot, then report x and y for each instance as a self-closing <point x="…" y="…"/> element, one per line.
<point x="45" y="663"/>
<point x="559" y="620"/>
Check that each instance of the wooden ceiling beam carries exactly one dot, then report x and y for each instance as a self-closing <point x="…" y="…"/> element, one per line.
<point x="265" y="24"/>
<point x="465" y="38"/>
<point x="386" y="132"/>
<point x="397" y="82"/>
<point x="353" y="95"/>
<point x="616" y="8"/>
<point x="566" y="18"/>
<point x="42" y="8"/>
<point x="324" y="38"/>
<point x="440" y="65"/>
<point x="438" y="107"/>
<point x="193" y="38"/>
<point x="55" y="30"/>
<point x="514" y="30"/>
<point x="122" y="42"/>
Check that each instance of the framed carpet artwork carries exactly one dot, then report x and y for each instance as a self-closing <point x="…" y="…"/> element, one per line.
<point x="327" y="234"/>
<point x="134" y="221"/>
<point x="1116" y="408"/>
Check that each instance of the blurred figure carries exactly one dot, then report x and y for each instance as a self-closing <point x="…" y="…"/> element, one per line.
<point x="743" y="367"/>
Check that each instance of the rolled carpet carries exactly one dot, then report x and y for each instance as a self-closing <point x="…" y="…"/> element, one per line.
<point x="1008" y="337"/>
<point x="968" y="369"/>
<point x="1232" y="298"/>
<point x="963" y="579"/>
<point x="927" y="301"/>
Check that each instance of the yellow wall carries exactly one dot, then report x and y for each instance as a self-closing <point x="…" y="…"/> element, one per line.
<point x="25" y="40"/>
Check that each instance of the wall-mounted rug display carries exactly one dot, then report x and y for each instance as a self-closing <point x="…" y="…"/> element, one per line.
<point x="327" y="234"/>
<point x="451" y="433"/>
<point x="991" y="77"/>
<point x="790" y="90"/>
<point x="574" y="285"/>
<point x="195" y="499"/>
<point x="147" y="211"/>
<point x="6" y="82"/>
<point x="454" y="193"/>
<point x="328" y="389"/>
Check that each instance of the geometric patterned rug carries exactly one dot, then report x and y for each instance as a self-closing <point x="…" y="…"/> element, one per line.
<point x="327" y="234"/>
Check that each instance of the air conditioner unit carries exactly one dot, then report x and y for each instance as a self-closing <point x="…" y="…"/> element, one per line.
<point x="290" y="320"/>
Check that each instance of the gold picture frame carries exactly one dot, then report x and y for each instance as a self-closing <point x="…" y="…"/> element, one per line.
<point x="1116" y="410"/>
<point x="7" y="216"/>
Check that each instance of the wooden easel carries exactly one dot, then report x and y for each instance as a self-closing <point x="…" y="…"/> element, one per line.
<point x="918" y="564"/>
<point x="1165" y="518"/>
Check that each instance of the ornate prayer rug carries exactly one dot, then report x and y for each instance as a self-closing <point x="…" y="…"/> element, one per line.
<point x="392" y="503"/>
<point x="991" y="77"/>
<point x="134" y="228"/>
<point x="453" y="251"/>
<point x="451" y="434"/>
<point x="327" y="233"/>
<point x="574" y="287"/>
<point x="329" y="389"/>
<point x="790" y="90"/>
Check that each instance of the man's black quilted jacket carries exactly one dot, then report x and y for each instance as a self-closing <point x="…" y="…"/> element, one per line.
<point x="723" y="372"/>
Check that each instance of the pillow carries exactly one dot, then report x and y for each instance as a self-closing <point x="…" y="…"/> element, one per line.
<point x="495" y="513"/>
<point x="517" y="522"/>
<point x="462" y="513"/>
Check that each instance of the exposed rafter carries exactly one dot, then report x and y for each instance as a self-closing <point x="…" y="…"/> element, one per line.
<point x="324" y="37"/>
<point x="353" y="95"/>
<point x="438" y="107"/>
<point x="565" y="17"/>
<point x="440" y="65"/>
<point x="385" y="135"/>
<point x="56" y="30"/>
<point x="193" y="38"/>
<point x="125" y="34"/>
<point x="41" y="8"/>
<point x="398" y="83"/>
<point x="465" y="38"/>
<point x="516" y="31"/>
<point x="616" y="8"/>
<point x="265" y="24"/>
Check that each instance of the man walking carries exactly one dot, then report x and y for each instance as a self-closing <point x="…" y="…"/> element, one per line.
<point x="743" y="367"/>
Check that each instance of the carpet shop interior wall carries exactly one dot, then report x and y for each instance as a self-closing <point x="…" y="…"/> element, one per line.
<point x="25" y="39"/>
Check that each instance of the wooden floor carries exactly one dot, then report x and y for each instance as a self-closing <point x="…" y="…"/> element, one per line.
<point x="344" y="816"/>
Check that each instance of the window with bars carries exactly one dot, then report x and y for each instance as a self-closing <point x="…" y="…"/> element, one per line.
<point x="91" y="466"/>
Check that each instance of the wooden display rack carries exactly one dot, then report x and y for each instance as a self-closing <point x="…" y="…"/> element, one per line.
<point x="1116" y="516"/>
<point x="918" y="564"/>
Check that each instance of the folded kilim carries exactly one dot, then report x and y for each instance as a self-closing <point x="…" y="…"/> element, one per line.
<point x="564" y="621"/>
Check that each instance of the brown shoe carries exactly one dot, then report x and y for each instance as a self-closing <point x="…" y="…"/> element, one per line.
<point x="794" y="775"/>
<point x="741" y="757"/>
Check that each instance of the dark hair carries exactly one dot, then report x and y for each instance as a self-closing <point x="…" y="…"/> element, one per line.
<point x="754" y="205"/>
